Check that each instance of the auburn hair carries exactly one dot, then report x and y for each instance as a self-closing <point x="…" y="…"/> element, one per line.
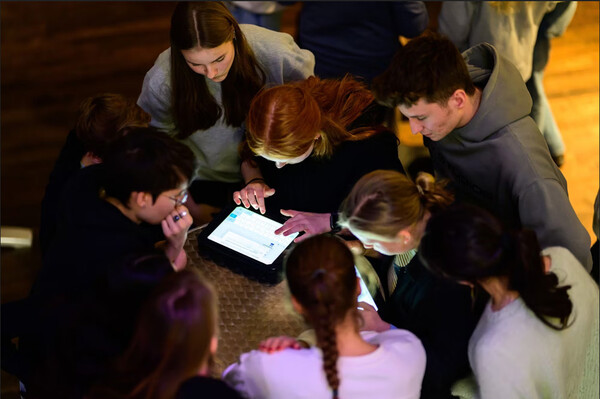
<point x="284" y="121"/>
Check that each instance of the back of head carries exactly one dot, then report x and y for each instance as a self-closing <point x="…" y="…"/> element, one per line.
<point x="467" y="243"/>
<point x="104" y="118"/>
<point x="429" y="67"/>
<point x="284" y="120"/>
<point x="146" y="160"/>
<point x="321" y="277"/>
<point x="172" y="340"/>
<point x="206" y="24"/>
<point x="383" y="202"/>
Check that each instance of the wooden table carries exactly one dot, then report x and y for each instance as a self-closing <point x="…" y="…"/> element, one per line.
<point x="249" y="311"/>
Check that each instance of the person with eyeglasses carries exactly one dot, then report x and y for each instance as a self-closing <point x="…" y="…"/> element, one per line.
<point x="108" y="211"/>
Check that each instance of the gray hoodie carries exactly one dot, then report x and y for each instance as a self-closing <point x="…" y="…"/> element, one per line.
<point x="500" y="160"/>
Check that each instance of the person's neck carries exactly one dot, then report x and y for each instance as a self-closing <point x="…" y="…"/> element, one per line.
<point x="471" y="108"/>
<point x="127" y="212"/>
<point x="501" y="296"/>
<point x="349" y="341"/>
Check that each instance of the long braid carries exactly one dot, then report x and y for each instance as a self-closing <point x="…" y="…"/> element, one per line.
<point x="325" y="329"/>
<point x="321" y="277"/>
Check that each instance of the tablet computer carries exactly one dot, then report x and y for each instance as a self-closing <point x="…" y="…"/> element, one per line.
<point x="245" y="241"/>
<point x="365" y="295"/>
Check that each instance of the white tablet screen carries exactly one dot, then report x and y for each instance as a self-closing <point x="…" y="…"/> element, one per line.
<point x="365" y="295"/>
<point x="251" y="234"/>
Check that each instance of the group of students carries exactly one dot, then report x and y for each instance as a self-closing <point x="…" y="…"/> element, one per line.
<point x="233" y="113"/>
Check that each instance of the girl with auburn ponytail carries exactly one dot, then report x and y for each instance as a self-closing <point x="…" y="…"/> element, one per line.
<point x="388" y="212"/>
<point x="345" y="364"/>
<point x="307" y="143"/>
<point x="199" y="90"/>
<point x="538" y="334"/>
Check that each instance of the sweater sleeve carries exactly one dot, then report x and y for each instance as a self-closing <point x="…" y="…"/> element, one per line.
<point x="545" y="208"/>
<point x="155" y="97"/>
<point x="279" y="55"/>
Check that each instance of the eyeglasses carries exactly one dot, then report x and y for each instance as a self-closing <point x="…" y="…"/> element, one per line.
<point x="179" y="198"/>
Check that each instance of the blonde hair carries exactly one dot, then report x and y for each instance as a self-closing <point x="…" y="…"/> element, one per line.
<point x="383" y="202"/>
<point x="283" y="121"/>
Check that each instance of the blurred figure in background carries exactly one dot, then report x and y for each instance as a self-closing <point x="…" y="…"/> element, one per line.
<point x="520" y="31"/>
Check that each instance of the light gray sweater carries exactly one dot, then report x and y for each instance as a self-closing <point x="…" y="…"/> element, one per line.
<point x="514" y="355"/>
<point x="216" y="148"/>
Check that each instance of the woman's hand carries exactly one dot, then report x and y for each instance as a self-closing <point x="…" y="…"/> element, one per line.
<point x="309" y="223"/>
<point x="175" y="227"/>
<point x="254" y="195"/>
<point x="276" y="344"/>
<point x="371" y="319"/>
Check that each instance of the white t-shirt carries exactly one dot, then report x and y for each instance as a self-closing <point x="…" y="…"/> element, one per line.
<point x="394" y="370"/>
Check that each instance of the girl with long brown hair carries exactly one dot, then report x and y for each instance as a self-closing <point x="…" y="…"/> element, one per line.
<point x="345" y="364"/>
<point x="538" y="334"/>
<point x="200" y="89"/>
<point x="307" y="143"/>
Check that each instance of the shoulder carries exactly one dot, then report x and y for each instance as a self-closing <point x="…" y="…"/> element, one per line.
<point x="278" y="54"/>
<point x="158" y="77"/>
<point x="262" y="38"/>
<point x="206" y="387"/>
<point x="397" y="340"/>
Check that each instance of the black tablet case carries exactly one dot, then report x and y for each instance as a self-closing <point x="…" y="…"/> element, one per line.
<point x="235" y="261"/>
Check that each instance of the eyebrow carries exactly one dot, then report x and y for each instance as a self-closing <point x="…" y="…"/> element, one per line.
<point x="194" y="63"/>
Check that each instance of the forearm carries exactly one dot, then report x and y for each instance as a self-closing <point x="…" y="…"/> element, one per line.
<point x="250" y="172"/>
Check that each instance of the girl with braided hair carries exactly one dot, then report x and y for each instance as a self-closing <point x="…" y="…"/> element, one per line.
<point x="538" y="334"/>
<point x="388" y="212"/>
<point x="345" y="364"/>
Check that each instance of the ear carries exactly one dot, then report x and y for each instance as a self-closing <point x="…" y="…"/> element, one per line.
<point x="458" y="99"/>
<point x="296" y="305"/>
<point x="404" y="235"/>
<point x="318" y="135"/>
<point x="140" y="199"/>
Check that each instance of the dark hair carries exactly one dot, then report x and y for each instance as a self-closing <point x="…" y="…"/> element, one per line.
<point x="171" y="341"/>
<point x="284" y="120"/>
<point x="146" y="160"/>
<point x="103" y="119"/>
<point x="428" y="67"/>
<point x="383" y="202"/>
<point x="467" y="243"/>
<point x="321" y="277"/>
<point x="208" y="24"/>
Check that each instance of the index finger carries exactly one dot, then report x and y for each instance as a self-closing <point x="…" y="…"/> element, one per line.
<point x="260" y="199"/>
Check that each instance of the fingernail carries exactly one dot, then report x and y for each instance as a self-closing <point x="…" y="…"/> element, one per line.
<point x="183" y="213"/>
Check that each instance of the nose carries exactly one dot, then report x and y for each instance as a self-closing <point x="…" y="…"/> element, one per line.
<point x="211" y="72"/>
<point x="415" y="126"/>
<point x="280" y="164"/>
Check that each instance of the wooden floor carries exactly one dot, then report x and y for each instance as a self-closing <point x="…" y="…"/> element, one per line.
<point x="55" y="54"/>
